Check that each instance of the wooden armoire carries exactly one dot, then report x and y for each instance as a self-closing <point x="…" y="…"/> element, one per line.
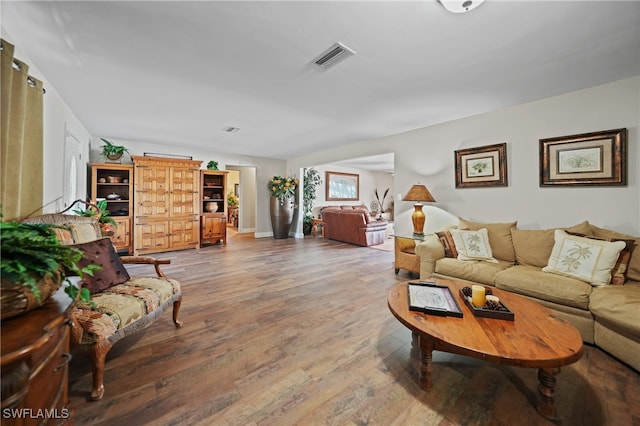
<point x="167" y="204"/>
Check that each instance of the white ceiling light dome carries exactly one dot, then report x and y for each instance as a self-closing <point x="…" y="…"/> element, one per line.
<point x="460" y="6"/>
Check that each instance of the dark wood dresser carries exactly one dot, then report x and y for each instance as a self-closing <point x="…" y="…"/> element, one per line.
<point x="35" y="364"/>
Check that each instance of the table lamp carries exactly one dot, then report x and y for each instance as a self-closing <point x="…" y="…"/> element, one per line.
<point x="418" y="193"/>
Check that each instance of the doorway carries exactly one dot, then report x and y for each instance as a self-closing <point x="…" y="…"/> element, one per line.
<point x="241" y="181"/>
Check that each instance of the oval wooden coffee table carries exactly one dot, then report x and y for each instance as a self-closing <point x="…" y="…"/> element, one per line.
<point x="537" y="338"/>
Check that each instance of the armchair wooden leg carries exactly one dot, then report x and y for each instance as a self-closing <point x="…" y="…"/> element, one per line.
<point x="176" y="309"/>
<point x="99" y="352"/>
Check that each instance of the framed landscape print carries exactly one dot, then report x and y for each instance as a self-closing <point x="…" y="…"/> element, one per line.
<point x="342" y="186"/>
<point x="598" y="158"/>
<point x="481" y="167"/>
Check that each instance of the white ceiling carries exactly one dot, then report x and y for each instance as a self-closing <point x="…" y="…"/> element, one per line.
<point x="174" y="72"/>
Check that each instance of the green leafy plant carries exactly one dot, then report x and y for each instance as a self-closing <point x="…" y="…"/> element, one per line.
<point x="212" y="165"/>
<point x="232" y="199"/>
<point x="282" y="187"/>
<point x="31" y="252"/>
<point x="311" y="181"/>
<point x="112" y="151"/>
<point x="101" y="212"/>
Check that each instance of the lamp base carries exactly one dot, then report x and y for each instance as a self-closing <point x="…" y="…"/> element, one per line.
<point x="418" y="219"/>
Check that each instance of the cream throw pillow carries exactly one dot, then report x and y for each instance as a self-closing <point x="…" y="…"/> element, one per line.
<point x="583" y="258"/>
<point x="473" y="245"/>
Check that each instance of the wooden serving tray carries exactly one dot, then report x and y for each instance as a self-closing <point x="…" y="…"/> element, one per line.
<point x="503" y="312"/>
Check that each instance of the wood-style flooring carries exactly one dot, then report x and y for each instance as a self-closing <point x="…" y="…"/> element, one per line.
<point x="297" y="332"/>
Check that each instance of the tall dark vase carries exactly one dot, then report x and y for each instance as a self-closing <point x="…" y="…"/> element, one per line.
<point x="281" y="217"/>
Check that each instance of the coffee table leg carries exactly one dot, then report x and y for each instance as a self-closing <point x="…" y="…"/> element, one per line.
<point x="426" y="350"/>
<point x="547" y="392"/>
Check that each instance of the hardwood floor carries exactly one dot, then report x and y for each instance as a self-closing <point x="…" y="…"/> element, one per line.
<point x="297" y="332"/>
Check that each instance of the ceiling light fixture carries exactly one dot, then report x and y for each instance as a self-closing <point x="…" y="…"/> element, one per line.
<point x="460" y="6"/>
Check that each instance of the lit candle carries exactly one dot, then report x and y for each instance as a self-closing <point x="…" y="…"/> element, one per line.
<point x="477" y="296"/>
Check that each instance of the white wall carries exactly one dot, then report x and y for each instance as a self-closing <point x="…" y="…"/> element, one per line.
<point x="426" y="155"/>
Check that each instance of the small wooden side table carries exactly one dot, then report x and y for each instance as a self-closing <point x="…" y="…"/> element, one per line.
<point x="315" y="223"/>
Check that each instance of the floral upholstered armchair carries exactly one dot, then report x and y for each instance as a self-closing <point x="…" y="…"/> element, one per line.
<point x="122" y="304"/>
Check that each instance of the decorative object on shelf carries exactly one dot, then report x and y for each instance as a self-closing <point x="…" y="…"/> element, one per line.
<point x="111" y="151"/>
<point x="212" y="165"/>
<point x="311" y="181"/>
<point x="418" y="193"/>
<point x="589" y="159"/>
<point x="342" y="186"/>
<point x="282" y="190"/>
<point x="113" y="196"/>
<point x="211" y="206"/>
<point x="114" y="179"/>
<point x="481" y="167"/>
<point x="34" y="264"/>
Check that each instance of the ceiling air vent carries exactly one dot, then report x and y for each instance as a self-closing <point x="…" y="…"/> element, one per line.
<point x="334" y="54"/>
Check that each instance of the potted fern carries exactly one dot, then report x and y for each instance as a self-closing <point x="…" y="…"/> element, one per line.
<point x="99" y="210"/>
<point x="34" y="265"/>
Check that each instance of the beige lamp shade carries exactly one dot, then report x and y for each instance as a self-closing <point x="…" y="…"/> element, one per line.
<point x="420" y="194"/>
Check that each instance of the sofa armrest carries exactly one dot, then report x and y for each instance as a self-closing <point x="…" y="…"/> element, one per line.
<point x="147" y="260"/>
<point x="429" y="251"/>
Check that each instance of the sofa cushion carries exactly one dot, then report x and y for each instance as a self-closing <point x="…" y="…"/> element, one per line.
<point x="533" y="282"/>
<point x="471" y="270"/>
<point x="533" y="247"/>
<point x="101" y="252"/>
<point x="586" y="259"/>
<point x="618" y="307"/>
<point x="499" y="237"/>
<point x="633" y="269"/>
<point x="473" y="245"/>
<point x="136" y="302"/>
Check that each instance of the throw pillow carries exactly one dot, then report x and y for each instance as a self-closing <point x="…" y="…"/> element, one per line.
<point x="619" y="271"/>
<point x="583" y="258"/>
<point x="499" y="237"/>
<point x="447" y="242"/>
<point x="101" y="252"/>
<point x="473" y="245"/>
<point x="83" y="232"/>
<point x="63" y="235"/>
<point x="633" y="270"/>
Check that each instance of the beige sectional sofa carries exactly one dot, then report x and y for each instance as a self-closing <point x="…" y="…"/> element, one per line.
<point x="605" y="315"/>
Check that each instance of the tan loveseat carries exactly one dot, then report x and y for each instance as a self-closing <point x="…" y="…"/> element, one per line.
<point x="607" y="315"/>
<point x="353" y="224"/>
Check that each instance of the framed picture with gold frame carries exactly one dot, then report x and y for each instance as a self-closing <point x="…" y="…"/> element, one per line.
<point x="342" y="186"/>
<point x="597" y="158"/>
<point x="482" y="166"/>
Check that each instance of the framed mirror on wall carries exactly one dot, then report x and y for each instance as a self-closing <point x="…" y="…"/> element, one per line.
<point x="342" y="186"/>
